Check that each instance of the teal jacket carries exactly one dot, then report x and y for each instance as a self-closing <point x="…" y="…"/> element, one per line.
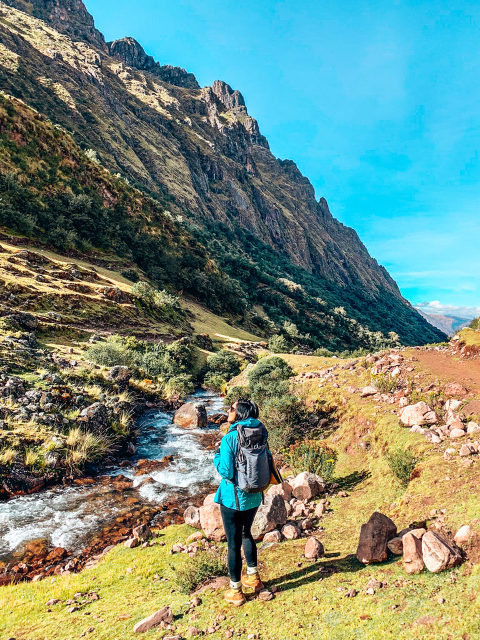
<point x="225" y="464"/>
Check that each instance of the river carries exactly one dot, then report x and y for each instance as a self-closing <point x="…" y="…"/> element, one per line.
<point x="68" y="516"/>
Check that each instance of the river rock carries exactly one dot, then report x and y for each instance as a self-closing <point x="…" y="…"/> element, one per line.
<point x="270" y="515"/>
<point x="120" y="375"/>
<point x="191" y="415"/>
<point x="95" y="416"/>
<point x="191" y="515"/>
<point x="374" y="537"/>
<point x="307" y="486"/>
<point x="419" y="413"/>
<point x="142" y="532"/>
<point x="163" y="615"/>
<point x="412" y="551"/>
<point x="439" y="553"/>
<point x="211" y="522"/>
<point x="313" y="549"/>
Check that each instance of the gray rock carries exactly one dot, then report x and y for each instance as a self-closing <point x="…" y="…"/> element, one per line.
<point x="270" y="515"/>
<point x="374" y="537"/>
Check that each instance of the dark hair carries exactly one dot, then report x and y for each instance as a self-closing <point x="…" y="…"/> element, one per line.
<point x="246" y="409"/>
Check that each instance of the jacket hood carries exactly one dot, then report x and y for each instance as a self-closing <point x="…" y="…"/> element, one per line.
<point x="249" y="422"/>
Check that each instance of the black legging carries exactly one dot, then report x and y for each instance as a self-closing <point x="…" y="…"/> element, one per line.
<point x="237" y="525"/>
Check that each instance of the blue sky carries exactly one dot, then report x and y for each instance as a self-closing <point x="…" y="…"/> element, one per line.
<point x="377" y="102"/>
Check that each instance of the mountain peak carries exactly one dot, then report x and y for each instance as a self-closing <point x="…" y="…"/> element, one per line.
<point x="131" y="52"/>
<point x="229" y="97"/>
<point x="67" y="16"/>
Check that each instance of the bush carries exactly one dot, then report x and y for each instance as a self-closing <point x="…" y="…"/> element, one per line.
<point x="131" y="274"/>
<point x="224" y="363"/>
<point x="278" y="344"/>
<point x="283" y="415"/>
<point x="273" y="369"/>
<point x="385" y="383"/>
<point x="202" y="567"/>
<point x="155" y="298"/>
<point x="312" y="456"/>
<point x="402" y="463"/>
<point x="214" y="381"/>
<point x="111" y="353"/>
<point x="234" y="394"/>
<point x="179" y="386"/>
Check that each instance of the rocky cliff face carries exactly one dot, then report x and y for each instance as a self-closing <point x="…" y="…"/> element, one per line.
<point x="66" y="16"/>
<point x="154" y="125"/>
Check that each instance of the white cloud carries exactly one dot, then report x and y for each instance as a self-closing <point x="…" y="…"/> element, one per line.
<point x="436" y="307"/>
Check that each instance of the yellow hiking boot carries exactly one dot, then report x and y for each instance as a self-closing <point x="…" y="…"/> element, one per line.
<point x="252" y="582"/>
<point x="235" y="597"/>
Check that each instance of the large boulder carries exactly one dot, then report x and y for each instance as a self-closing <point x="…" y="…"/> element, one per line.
<point x="374" y="537"/>
<point x="191" y="415"/>
<point x="412" y="551"/>
<point x="439" y="553"/>
<point x="419" y="413"/>
<point x="211" y="522"/>
<point x="307" y="486"/>
<point x="283" y="489"/>
<point x="270" y="515"/>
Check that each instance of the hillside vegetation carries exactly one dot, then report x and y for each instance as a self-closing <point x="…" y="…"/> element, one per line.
<point x="202" y="157"/>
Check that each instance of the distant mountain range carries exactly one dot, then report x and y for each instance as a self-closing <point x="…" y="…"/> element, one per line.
<point x="447" y="324"/>
<point x="199" y="154"/>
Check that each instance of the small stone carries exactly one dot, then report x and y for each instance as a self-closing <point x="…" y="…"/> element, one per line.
<point x="265" y="595"/>
<point x="463" y="535"/>
<point x="456" y="433"/>
<point x="192" y="632"/>
<point x="395" y="546"/>
<point x="440" y="600"/>
<point x="351" y="593"/>
<point x="290" y="532"/>
<point x="131" y="543"/>
<point x="272" y="536"/>
<point x="313" y="549"/>
<point x="162" y="615"/>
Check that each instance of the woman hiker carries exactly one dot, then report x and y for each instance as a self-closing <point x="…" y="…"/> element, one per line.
<point x="244" y="462"/>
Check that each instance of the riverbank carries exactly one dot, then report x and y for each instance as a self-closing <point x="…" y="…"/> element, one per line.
<point x="60" y="530"/>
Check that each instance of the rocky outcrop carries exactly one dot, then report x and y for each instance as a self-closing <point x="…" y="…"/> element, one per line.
<point x="131" y="52"/>
<point x="67" y="16"/>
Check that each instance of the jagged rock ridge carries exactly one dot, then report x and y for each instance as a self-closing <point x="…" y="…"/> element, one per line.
<point x="154" y="125"/>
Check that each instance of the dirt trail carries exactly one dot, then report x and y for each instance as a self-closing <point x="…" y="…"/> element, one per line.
<point x="444" y="366"/>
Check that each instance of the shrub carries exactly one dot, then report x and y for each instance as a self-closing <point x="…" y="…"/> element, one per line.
<point x="153" y="297"/>
<point x="214" y="381"/>
<point x="283" y="415"/>
<point x="278" y="344"/>
<point x="131" y="274"/>
<point x="273" y="369"/>
<point x="312" y="456"/>
<point x="179" y="386"/>
<point x="234" y="394"/>
<point x="34" y="459"/>
<point x="224" y="363"/>
<point x="402" y="463"/>
<point x="385" y="383"/>
<point x="110" y="353"/>
<point x="204" y="566"/>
